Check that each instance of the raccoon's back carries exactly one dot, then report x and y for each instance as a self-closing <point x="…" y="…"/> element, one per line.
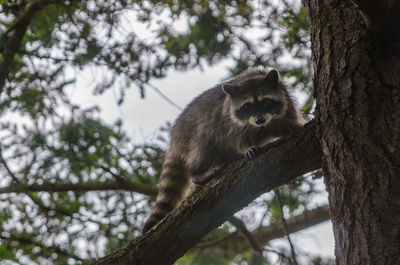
<point x="204" y="114"/>
<point x="190" y="128"/>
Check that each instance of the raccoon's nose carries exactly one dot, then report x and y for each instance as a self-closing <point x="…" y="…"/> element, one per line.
<point x="260" y="120"/>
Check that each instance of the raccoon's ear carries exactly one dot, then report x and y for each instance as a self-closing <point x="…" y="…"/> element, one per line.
<point x="228" y="89"/>
<point x="272" y="78"/>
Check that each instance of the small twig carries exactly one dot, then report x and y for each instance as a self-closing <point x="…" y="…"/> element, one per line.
<point x="243" y="229"/>
<point x="127" y="159"/>
<point x="280" y="254"/>
<point x="279" y="201"/>
<point x="12" y="175"/>
<point x="47" y="57"/>
<point x="158" y="91"/>
<point x="115" y="175"/>
<point x="263" y="217"/>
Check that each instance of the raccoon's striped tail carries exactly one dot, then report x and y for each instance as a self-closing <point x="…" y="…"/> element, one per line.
<point x="172" y="189"/>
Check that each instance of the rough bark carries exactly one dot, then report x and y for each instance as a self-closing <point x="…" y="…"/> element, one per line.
<point x="355" y="49"/>
<point x="214" y="203"/>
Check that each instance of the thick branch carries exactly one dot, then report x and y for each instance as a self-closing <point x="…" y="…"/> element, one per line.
<point x="89" y="186"/>
<point x="16" y="34"/>
<point x="211" y="205"/>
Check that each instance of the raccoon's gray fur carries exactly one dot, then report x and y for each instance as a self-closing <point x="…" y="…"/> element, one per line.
<point x="220" y="126"/>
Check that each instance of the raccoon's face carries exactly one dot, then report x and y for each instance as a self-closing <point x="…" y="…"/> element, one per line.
<point x="256" y="101"/>
<point x="257" y="111"/>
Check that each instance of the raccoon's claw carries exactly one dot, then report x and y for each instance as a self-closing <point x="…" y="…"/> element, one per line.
<point x="252" y="153"/>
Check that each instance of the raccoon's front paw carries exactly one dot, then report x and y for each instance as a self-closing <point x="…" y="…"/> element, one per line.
<point x="252" y="153"/>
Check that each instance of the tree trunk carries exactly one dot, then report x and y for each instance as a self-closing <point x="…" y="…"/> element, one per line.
<point x="356" y="48"/>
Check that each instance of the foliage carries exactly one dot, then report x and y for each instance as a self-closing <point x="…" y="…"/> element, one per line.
<point x="47" y="140"/>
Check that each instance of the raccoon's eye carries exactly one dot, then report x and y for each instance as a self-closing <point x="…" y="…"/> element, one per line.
<point x="271" y="105"/>
<point x="267" y="102"/>
<point x="246" y="106"/>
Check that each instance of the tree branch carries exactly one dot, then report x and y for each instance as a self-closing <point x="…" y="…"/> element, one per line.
<point x="284" y="223"/>
<point x="123" y="185"/>
<point x="236" y="243"/>
<point x="211" y="205"/>
<point x="16" y="34"/>
<point x="240" y="226"/>
<point x="28" y="241"/>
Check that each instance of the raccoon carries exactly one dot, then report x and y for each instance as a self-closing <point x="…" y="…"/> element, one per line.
<point x="224" y="124"/>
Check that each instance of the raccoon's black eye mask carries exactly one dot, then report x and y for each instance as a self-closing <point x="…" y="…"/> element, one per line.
<point x="266" y="105"/>
<point x="271" y="106"/>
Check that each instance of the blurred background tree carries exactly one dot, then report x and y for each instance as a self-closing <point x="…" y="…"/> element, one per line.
<point x="73" y="187"/>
